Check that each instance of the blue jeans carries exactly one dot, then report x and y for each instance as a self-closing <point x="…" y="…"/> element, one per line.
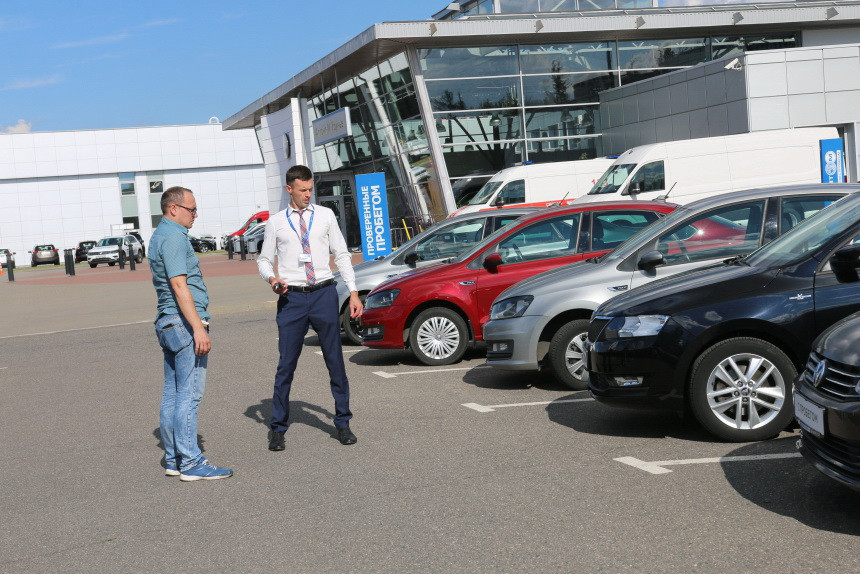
<point x="184" y="383"/>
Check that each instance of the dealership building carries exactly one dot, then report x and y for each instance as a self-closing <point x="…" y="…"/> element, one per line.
<point x="64" y="187"/>
<point x="440" y="105"/>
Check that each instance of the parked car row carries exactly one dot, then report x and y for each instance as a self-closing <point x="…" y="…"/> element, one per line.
<point x="710" y="309"/>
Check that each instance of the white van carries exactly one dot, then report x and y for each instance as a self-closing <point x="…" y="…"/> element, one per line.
<point x="688" y="170"/>
<point x="541" y="183"/>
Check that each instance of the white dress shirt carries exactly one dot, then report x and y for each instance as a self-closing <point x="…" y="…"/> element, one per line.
<point x="284" y="241"/>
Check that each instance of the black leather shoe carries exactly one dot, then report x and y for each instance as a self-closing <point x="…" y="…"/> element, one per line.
<point x="276" y="440"/>
<point x="345" y="436"/>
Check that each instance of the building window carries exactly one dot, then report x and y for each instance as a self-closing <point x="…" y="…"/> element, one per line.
<point x="156" y="182"/>
<point x="126" y="183"/>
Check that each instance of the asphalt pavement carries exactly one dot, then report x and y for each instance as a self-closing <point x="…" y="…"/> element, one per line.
<point x="457" y="469"/>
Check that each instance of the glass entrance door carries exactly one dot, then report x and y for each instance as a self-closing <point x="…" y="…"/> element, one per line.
<point x="336" y="191"/>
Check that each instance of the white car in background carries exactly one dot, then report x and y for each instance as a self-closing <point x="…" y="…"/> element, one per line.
<point x="107" y="250"/>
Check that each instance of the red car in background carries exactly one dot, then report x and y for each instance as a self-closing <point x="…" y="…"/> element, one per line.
<point x="436" y="311"/>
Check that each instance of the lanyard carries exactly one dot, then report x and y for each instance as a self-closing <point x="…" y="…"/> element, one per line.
<point x="307" y="236"/>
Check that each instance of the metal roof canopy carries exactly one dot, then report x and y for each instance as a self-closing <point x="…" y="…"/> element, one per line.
<point x="382" y="41"/>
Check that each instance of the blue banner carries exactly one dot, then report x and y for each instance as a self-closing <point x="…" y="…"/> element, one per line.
<point x="373" y="215"/>
<point x="832" y="167"/>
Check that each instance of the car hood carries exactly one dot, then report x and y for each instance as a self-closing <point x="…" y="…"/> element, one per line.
<point x="549" y="282"/>
<point x="103" y="249"/>
<point x="691" y="289"/>
<point x="839" y="342"/>
<point x="424" y="273"/>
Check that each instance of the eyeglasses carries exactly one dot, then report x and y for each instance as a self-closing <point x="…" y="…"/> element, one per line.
<point x="191" y="210"/>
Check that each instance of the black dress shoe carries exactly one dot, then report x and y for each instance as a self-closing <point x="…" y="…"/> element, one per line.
<point x="345" y="436"/>
<point x="276" y="440"/>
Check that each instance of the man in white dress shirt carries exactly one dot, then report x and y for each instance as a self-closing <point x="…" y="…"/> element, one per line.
<point x="303" y="236"/>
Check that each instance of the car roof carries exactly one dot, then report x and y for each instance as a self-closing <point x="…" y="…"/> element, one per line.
<point x="661" y="206"/>
<point x="760" y="192"/>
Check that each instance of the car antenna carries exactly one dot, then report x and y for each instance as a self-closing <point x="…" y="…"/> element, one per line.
<point x="666" y="196"/>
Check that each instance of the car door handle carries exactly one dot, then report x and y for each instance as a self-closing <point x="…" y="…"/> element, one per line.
<point x="467" y="282"/>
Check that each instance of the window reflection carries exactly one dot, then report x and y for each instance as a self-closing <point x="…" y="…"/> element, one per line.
<point x="473" y="94"/>
<point x="662" y="53"/>
<point x="472" y="127"/>
<point x="556" y="58"/>
<point x="468" y="62"/>
<point x="566" y="88"/>
<point x="570" y="149"/>
<point x="564" y="122"/>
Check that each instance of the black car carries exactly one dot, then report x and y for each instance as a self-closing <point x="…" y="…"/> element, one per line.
<point x="140" y="239"/>
<point x="727" y="341"/>
<point x="202" y="244"/>
<point x="827" y="403"/>
<point x="82" y="249"/>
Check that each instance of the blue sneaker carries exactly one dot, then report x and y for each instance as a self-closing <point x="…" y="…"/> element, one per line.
<point x="170" y="469"/>
<point x="205" y="471"/>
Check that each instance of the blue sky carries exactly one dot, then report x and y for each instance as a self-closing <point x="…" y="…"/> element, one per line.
<point x="92" y="64"/>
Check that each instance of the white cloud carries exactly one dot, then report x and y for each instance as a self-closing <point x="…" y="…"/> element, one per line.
<point x="164" y="22"/>
<point x="31" y="83"/>
<point x="93" y="41"/>
<point x="22" y="127"/>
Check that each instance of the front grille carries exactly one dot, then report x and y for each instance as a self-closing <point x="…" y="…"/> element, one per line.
<point x="839" y="380"/>
<point x="595" y="328"/>
<point x="836" y="453"/>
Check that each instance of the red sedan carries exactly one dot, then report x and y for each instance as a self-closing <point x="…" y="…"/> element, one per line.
<point x="437" y="311"/>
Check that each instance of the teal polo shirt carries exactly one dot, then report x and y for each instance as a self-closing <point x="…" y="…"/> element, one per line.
<point x="170" y="255"/>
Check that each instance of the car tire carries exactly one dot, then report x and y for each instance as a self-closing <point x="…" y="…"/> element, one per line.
<point x="204" y="247"/>
<point x="34" y="264"/>
<point x="111" y="263"/>
<point x="438" y="336"/>
<point x="351" y="327"/>
<point x="139" y="258"/>
<point x="94" y="265"/>
<point x="566" y="354"/>
<point x="710" y="391"/>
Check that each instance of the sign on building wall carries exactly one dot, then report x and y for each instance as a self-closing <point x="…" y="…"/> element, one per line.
<point x="373" y="215"/>
<point x="332" y="126"/>
<point x="832" y="167"/>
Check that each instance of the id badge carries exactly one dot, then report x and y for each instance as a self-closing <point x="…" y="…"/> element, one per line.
<point x="305" y="258"/>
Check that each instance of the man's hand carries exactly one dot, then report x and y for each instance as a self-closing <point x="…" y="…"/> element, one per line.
<point x="355" y="306"/>
<point x="202" y="344"/>
<point x="279" y="286"/>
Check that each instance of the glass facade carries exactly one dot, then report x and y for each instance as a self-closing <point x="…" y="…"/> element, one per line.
<point x="479" y="7"/>
<point x="388" y="136"/>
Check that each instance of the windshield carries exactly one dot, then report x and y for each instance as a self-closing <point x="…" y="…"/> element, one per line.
<point x="809" y="235"/>
<point x="488" y="239"/>
<point x="110" y="241"/>
<point x="610" y="181"/>
<point x="485" y="193"/>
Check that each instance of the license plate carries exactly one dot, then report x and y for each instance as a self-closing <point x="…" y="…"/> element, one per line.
<point x="808" y="414"/>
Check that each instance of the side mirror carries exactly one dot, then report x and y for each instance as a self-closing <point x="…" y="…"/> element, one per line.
<point x="650" y="260"/>
<point x="634" y="187"/>
<point x="410" y="259"/>
<point x="499" y="201"/>
<point x="492" y="262"/>
<point x="845" y="263"/>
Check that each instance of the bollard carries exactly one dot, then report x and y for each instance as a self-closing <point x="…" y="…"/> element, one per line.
<point x="243" y="248"/>
<point x="121" y="257"/>
<point x="230" y="247"/>
<point x="10" y="268"/>
<point x="130" y="259"/>
<point x="70" y="262"/>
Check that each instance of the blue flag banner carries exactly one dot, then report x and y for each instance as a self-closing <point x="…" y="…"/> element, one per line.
<point x="373" y="215"/>
<point x="832" y="167"/>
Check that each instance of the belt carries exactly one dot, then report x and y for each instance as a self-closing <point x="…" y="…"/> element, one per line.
<point x="310" y="288"/>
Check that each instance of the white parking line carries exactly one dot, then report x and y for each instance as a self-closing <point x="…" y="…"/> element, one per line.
<point x="346" y="351"/>
<point x="386" y="375"/>
<point x="492" y="408"/>
<point x="74" y="330"/>
<point x="657" y="467"/>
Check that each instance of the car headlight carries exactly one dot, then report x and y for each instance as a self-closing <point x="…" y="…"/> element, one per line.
<point x="381" y="299"/>
<point x="511" y="307"/>
<point x="636" y="326"/>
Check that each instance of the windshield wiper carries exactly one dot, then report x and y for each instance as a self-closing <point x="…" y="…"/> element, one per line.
<point x="735" y="260"/>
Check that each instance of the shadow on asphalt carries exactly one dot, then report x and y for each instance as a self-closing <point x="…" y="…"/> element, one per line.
<point x="794" y="488"/>
<point x="368" y="357"/>
<point x="593" y="418"/>
<point x="489" y="378"/>
<point x="301" y="413"/>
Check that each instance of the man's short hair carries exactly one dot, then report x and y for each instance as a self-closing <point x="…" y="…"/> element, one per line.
<point x="301" y="172"/>
<point x="174" y="195"/>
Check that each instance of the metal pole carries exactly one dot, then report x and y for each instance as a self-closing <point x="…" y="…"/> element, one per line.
<point x="230" y="247"/>
<point x="130" y="259"/>
<point x="10" y="268"/>
<point x="70" y="262"/>
<point x="121" y="257"/>
<point x="243" y="248"/>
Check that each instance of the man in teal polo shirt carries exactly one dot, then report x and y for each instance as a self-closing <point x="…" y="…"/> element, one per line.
<point x="182" y="327"/>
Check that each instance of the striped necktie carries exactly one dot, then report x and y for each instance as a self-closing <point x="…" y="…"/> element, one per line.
<point x="306" y="248"/>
